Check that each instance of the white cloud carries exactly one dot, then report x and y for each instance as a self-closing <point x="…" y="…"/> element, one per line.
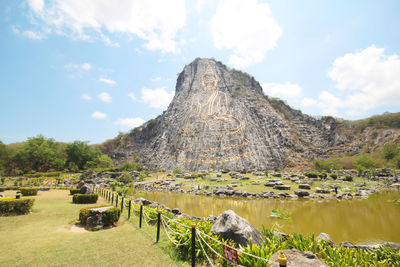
<point x="28" y="34"/>
<point x="285" y="90"/>
<point x="107" y="81"/>
<point x="132" y="96"/>
<point x="155" y="21"/>
<point x="365" y="80"/>
<point x="98" y="115"/>
<point x="105" y="97"/>
<point x="247" y="28"/>
<point x="130" y="122"/>
<point x="156" y="79"/>
<point x="79" y="67"/>
<point x="157" y="98"/>
<point x="86" y="97"/>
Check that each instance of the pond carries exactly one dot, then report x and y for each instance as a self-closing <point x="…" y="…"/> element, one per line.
<point x="361" y="221"/>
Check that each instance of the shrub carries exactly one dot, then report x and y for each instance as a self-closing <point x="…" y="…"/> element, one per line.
<point x="110" y="217"/>
<point x="334" y="176"/>
<point x="29" y="191"/>
<point x="323" y="175"/>
<point x="2" y="189"/>
<point x="311" y="174"/>
<point x="175" y="171"/>
<point x="74" y="191"/>
<point x="11" y="206"/>
<point x="348" y="178"/>
<point x="85" y="198"/>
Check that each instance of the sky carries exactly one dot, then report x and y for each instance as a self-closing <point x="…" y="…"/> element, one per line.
<point x="89" y="69"/>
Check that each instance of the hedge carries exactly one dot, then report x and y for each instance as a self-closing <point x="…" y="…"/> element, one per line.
<point x="2" y="189"/>
<point x="110" y="217"/>
<point x="74" y="191"/>
<point x="12" y="206"/>
<point x="29" y="191"/>
<point x="311" y="174"/>
<point x="85" y="198"/>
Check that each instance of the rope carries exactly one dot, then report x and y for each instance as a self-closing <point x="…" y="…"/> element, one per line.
<point x="169" y="227"/>
<point x="171" y="220"/>
<point x="204" y="250"/>
<point x="238" y="250"/>
<point x="176" y="244"/>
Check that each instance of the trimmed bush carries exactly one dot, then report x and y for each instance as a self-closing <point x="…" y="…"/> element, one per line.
<point x="334" y="176"/>
<point x="2" y="189"/>
<point x="74" y="191"/>
<point x="85" y="198"/>
<point x="29" y="191"/>
<point x="311" y="174"/>
<point x="110" y="217"/>
<point x="12" y="206"/>
<point x="348" y="178"/>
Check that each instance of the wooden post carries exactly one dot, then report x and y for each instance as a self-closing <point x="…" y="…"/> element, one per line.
<point x="122" y="204"/>
<point x="193" y="244"/>
<point x="140" y="215"/>
<point x="158" y="225"/>
<point x="112" y="199"/>
<point x="116" y="201"/>
<point x="129" y="209"/>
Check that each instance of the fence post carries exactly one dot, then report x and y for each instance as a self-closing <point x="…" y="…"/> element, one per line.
<point x="116" y="201"/>
<point x="122" y="204"/>
<point x="129" y="210"/>
<point x="112" y="199"/>
<point x="193" y="244"/>
<point x="140" y="215"/>
<point x="158" y="224"/>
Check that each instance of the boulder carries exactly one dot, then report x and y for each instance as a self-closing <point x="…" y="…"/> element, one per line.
<point x="1" y="196"/>
<point x="322" y="190"/>
<point x="304" y="186"/>
<point x="142" y="200"/>
<point x="176" y="211"/>
<point x="302" y="193"/>
<point x="282" y="187"/>
<point x="297" y="258"/>
<point x="94" y="221"/>
<point x="326" y="237"/>
<point x="86" y="189"/>
<point x="229" y="225"/>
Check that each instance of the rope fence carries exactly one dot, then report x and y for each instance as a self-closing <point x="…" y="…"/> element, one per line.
<point x="169" y="227"/>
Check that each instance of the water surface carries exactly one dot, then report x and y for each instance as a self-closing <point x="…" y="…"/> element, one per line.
<point x="362" y="221"/>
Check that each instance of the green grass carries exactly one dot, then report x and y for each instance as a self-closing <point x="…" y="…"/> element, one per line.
<point x="43" y="238"/>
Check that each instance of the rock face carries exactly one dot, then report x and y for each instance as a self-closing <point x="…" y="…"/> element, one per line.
<point x="220" y="117"/>
<point x="229" y="225"/>
<point x="298" y="258"/>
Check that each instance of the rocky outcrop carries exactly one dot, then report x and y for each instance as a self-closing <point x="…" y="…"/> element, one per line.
<point x="297" y="258"/>
<point x="94" y="221"/>
<point x="229" y="225"/>
<point x="220" y="117"/>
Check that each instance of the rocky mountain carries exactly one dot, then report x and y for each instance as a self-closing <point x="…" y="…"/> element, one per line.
<point x="220" y="119"/>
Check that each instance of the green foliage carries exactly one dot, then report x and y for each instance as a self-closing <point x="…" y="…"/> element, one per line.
<point x="110" y="217"/>
<point x="364" y="161"/>
<point x="122" y="191"/>
<point x="383" y="121"/>
<point x="74" y="191"/>
<point x="348" y="178"/>
<point x="2" y="189"/>
<point x="281" y="214"/>
<point x="334" y="176"/>
<point x="29" y="191"/>
<point x="266" y="173"/>
<point x="80" y="153"/>
<point x="84" y="198"/>
<point x="311" y="174"/>
<point x="323" y="175"/>
<point x="175" y="171"/>
<point x="142" y="175"/>
<point x="12" y="206"/>
<point x="324" y="165"/>
<point x="114" y="184"/>
<point x="390" y="151"/>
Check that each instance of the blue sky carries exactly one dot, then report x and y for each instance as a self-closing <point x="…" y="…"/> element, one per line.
<point x="86" y="70"/>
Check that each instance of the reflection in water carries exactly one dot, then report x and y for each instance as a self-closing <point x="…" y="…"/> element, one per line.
<point x="370" y="220"/>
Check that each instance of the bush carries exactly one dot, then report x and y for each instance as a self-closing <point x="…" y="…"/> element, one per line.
<point x="323" y="175"/>
<point x="110" y="217"/>
<point x="11" y="206"/>
<point x="311" y="174"/>
<point x="2" y="189"/>
<point x="348" y="178"/>
<point x="74" y="191"/>
<point x="334" y="176"/>
<point x="85" y="198"/>
<point x="29" y="191"/>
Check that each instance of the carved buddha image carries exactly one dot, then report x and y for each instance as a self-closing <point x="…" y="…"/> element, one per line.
<point x="209" y="133"/>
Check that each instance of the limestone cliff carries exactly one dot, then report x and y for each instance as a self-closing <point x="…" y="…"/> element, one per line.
<point x="220" y="118"/>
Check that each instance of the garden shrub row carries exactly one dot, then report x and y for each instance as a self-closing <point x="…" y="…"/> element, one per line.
<point x="85" y="198"/>
<point x="74" y="191"/>
<point x="29" y="191"/>
<point x="12" y="206"/>
<point x="110" y="217"/>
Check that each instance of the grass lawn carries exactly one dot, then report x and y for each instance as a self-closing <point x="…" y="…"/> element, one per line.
<point x="47" y="237"/>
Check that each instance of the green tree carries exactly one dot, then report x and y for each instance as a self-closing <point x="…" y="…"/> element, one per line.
<point x="390" y="151"/>
<point x="79" y="153"/>
<point x="364" y="162"/>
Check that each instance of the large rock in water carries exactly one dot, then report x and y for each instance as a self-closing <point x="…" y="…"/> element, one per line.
<point x="231" y="226"/>
<point x="220" y="117"/>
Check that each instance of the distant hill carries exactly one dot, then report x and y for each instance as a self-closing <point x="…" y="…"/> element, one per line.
<point x="220" y="119"/>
